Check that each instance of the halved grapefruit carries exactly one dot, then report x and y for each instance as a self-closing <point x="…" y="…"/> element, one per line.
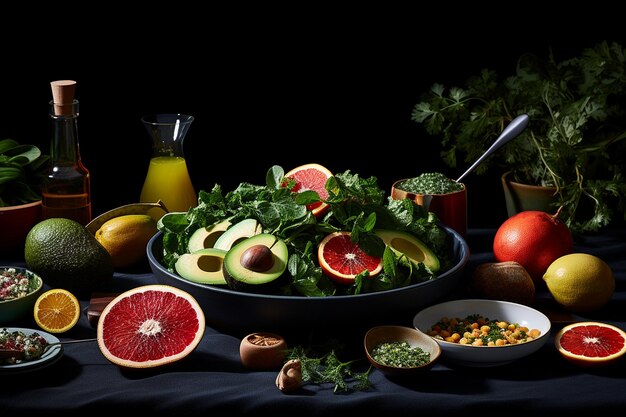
<point x="342" y="260"/>
<point x="591" y="343"/>
<point x="149" y="326"/>
<point x="311" y="177"/>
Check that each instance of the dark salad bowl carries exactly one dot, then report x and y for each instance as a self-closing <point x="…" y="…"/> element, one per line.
<point x="242" y="312"/>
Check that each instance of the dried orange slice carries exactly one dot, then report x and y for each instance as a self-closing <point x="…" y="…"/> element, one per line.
<point x="591" y="343"/>
<point x="342" y="260"/>
<point x="57" y="310"/>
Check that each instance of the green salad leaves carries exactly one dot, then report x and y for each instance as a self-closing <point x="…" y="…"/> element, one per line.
<point x="356" y="204"/>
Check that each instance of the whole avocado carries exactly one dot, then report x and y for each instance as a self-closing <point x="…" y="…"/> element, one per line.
<point x="66" y="255"/>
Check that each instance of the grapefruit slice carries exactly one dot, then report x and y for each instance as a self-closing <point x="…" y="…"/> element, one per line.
<point x="342" y="260"/>
<point x="311" y="177"/>
<point x="149" y="326"/>
<point x="591" y="343"/>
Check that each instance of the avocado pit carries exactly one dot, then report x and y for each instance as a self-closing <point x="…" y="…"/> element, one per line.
<point x="258" y="258"/>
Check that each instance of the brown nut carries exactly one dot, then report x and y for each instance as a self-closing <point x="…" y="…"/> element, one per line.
<point x="506" y="281"/>
<point x="262" y="351"/>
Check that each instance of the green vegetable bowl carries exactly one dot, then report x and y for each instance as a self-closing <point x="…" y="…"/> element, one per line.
<point x="244" y="312"/>
<point x="12" y="309"/>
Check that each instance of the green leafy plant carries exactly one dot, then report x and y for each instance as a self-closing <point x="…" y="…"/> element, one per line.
<point x="322" y="368"/>
<point x="22" y="168"/>
<point x="575" y="137"/>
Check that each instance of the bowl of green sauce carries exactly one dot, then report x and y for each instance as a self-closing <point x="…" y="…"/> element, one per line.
<point x="438" y="194"/>
<point x="400" y="350"/>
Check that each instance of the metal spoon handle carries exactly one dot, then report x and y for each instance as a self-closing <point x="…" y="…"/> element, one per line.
<point x="513" y="129"/>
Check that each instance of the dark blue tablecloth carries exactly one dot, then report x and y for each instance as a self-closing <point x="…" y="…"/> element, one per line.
<point x="212" y="379"/>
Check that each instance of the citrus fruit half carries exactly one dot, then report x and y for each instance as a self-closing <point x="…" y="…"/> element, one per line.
<point x="149" y="326"/>
<point x="534" y="239"/>
<point x="342" y="260"/>
<point x="56" y="310"/>
<point x="311" y="177"/>
<point x="591" y="343"/>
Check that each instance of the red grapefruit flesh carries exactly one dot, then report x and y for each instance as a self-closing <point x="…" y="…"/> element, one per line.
<point x="534" y="239"/>
<point x="342" y="260"/>
<point x="591" y="343"/>
<point x="311" y="177"/>
<point x="149" y="326"/>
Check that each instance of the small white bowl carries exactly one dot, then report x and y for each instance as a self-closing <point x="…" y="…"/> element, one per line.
<point x="483" y="356"/>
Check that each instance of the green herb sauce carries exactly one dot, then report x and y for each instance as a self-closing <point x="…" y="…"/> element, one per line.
<point x="400" y="355"/>
<point x="430" y="183"/>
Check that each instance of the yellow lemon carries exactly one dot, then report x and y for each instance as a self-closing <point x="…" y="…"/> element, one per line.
<point x="580" y="282"/>
<point x="125" y="238"/>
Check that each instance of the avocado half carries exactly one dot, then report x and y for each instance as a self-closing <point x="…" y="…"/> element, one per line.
<point x="242" y="277"/>
<point x="412" y="247"/>
<point x="203" y="266"/>
<point x="205" y="237"/>
<point x="238" y="232"/>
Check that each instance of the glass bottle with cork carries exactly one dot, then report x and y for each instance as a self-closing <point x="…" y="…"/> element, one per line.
<point x="66" y="190"/>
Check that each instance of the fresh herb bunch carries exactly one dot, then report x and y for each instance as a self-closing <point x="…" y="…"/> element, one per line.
<point x="575" y="138"/>
<point x="22" y="169"/>
<point x="356" y="205"/>
<point x="328" y="368"/>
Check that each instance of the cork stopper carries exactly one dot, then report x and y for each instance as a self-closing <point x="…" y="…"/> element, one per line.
<point x="63" y="96"/>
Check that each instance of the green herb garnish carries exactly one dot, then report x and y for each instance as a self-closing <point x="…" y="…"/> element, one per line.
<point x="400" y="355"/>
<point x="430" y="183"/>
<point x="328" y="368"/>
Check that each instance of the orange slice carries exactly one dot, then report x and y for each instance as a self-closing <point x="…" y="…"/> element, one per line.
<point x="57" y="310"/>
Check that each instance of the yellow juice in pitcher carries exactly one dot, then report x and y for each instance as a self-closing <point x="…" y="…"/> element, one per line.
<point x="168" y="180"/>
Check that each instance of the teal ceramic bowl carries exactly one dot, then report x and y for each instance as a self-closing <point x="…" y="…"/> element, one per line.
<point x="17" y="308"/>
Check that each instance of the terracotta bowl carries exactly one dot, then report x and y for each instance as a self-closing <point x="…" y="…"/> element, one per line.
<point x="16" y="222"/>
<point x="415" y="338"/>
<point x="262" y="351"/>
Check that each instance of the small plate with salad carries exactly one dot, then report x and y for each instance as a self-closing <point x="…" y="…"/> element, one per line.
<point x="32" y="347"/>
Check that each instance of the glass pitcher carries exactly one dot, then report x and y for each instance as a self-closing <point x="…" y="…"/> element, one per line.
<point x="168" y="178"/>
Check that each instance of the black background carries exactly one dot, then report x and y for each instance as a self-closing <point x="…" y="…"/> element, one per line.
<point x="285" y="88"/>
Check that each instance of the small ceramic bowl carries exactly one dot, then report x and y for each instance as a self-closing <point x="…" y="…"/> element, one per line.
<point x="16" y="223"/>
<point x="389" y="334"/>
<point x="262" y="351"/>
<point x="15" y="308"/>
<point x="484" y="356"/>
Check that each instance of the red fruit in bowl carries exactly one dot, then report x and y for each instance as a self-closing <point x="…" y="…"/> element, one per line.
<point x="534" y="239"/>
